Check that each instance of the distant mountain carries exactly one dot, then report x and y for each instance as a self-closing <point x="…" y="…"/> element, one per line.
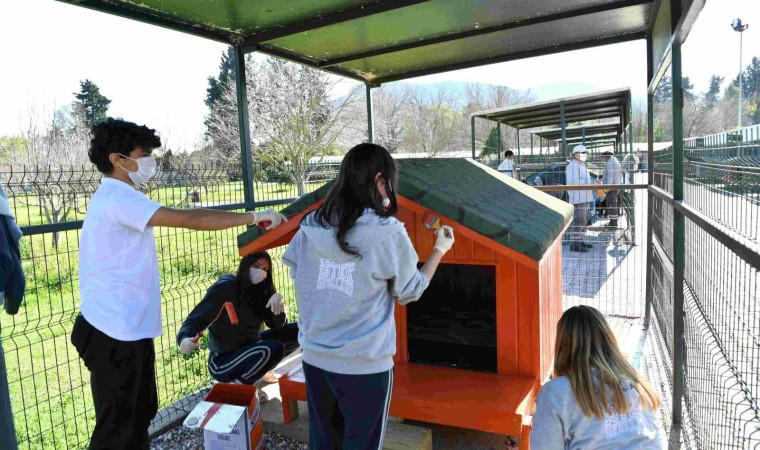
<point x="542" y="92"/>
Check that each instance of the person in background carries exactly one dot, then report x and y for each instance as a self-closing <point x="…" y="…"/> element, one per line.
<point x="12" y="285"/>
<point x="350" y="260"/>
<point x="576" y="174"/>
<point x="613" y="174"/>
<point x="508" y="165"/>
<point x="120" y="313"/>
<point x="242" y="353"/>
<point x="596" y="399"/>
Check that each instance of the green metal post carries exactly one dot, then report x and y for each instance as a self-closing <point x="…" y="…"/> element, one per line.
<point x="472" y="128"/>
<point x="246" y="157"/>
<point x="583" y="132"/>
<point x="7" y="430"/>
<point x="531" y="144"/>
<point x="370" y="137"/>
<point x="499" y="147"/>
<point x="650" y="179"/>
<point x="518" y="147"/>
<point x="563" y="125"/>
<point x="679" y="257"/>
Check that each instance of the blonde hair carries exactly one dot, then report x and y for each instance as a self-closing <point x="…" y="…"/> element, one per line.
<point x="585" y="341"/>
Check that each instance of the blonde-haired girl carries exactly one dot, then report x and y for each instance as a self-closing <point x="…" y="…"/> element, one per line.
<point x="596" y="399"/>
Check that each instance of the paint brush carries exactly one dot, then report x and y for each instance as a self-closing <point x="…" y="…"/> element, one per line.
<point x="433" y="222"/>
<point x="230" y="313"/>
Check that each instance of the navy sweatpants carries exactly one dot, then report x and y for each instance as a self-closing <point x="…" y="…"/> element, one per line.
<point x="347" y="411"/>
<point x="250" y="362"/>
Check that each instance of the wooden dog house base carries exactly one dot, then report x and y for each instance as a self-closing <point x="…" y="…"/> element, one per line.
<point x="467" y="399"/>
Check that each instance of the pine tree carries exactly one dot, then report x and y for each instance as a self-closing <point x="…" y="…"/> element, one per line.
<point x="713" y="93"/>
<point x="222" y="113"/>
<point x="493" y="143"/>
<point x="664" y="91"/>
<point x="93" y="104"/>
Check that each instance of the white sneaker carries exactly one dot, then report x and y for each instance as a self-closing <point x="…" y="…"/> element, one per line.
<point x="270" y="377"/>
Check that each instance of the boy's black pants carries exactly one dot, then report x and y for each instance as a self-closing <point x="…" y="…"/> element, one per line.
<point x="123" y="383"/>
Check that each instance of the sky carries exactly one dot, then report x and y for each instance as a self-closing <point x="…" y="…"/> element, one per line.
<point x="159" y="77"/>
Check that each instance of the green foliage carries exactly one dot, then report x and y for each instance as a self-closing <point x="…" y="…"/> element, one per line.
<point x="494" y="144"/>
<point x="664" y="92"/>
<point x="92" y="103"/>
<point x="713" y="93"/>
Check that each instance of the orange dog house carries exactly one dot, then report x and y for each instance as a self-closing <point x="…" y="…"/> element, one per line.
<point x="474" y="350"/>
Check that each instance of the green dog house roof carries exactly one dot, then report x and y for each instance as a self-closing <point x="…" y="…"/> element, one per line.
<point x="464" y="191"/>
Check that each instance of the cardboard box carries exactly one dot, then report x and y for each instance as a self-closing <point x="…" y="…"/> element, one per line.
<point x="230" y="417"/>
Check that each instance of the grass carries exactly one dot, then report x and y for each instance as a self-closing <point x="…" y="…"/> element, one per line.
<point x="48" y="384"/>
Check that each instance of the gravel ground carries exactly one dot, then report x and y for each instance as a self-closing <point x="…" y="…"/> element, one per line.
<point x="181" y="438"/>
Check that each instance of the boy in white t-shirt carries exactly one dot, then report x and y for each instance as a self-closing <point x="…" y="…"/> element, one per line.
<point x="120" y="312"/>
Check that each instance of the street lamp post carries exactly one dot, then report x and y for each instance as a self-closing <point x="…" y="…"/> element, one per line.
<point x="738" y="26"/>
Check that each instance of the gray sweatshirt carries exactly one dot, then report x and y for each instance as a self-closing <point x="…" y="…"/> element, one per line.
<point x="559" y="423"/>
<point x="345" y="302"/>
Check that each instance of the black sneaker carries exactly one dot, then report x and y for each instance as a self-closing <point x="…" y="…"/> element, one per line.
<point x="578" y="247"/>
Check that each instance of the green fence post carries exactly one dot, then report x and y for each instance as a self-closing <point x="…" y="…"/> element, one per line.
<point x="7" y="430"/>
<point x="472" y="128"/>
<point x="499" y="147"/>
<point x="370" y="137"/>
<point x="241" y="91"/>
<point x="679" y="242"/>
<point x="519" y="158"/>
<point x="563" y="125"/>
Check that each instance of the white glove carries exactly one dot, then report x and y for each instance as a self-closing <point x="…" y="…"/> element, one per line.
<point x="445" y="239"/>
<point x="276" y="304"/>
<point x="187" y="346"/>
<point x="268" y="215"/>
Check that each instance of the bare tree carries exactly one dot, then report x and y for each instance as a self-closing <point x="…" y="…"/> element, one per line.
<point x="484" y="97"/>
<point x="292" y="117"/>
<point x="52" y="172"/>
<point x="390" y="104"/>
<point x="433" y="122"/>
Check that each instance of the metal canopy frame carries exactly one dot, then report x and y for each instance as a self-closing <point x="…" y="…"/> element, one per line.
<point x="614" y="103"/>
<point x="379" y="41"/>
<point x="598" y="105"/>
<point x="389" y="40"/>
<point x="588" y="131"/>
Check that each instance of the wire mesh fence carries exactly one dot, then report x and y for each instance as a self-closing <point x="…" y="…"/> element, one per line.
<point x="721" y="317"/>
<point x="49" y="386"/>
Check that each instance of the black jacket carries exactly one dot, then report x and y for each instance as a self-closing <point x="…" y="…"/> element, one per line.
<point x="12" y="281"/>
<point x="250" y="308"/>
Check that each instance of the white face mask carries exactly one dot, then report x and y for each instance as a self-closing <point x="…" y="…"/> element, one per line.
<point x="257" y="275"/>
<point x="582" y="157"/>
<point x="146" y="168"/>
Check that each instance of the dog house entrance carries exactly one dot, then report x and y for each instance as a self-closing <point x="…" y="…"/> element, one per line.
<point x="454" y="323"/>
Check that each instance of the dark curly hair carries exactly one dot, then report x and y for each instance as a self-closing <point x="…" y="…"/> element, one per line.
<point x="119" y="136"/>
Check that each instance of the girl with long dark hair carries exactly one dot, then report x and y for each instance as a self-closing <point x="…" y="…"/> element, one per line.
<point x="350" y="260"/>
<point x="241" y="352"/>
